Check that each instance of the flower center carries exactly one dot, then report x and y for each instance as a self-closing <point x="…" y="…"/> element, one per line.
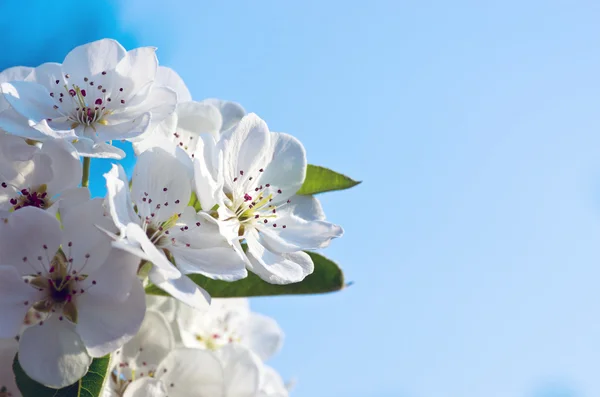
<point x="216" y="340"/>
<point x="33" y="197"/>
<point x="150" y="211"/>
<point x="87" y="105"/>
<point x="253" y="203"/>
<point x="60" y="285"/>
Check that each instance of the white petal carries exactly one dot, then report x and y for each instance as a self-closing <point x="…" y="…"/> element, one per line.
<point x="53" y="354"/>
<point x="125" y="129"/>
<point x="181" y="288"/>
<point x="271" y="384"/>
<point x="195" y="118"/>
<point x="161" y="263"/>
<point x="31" y="100"/>
<point x="16" y="297"/>
<point x="231" y="112"/>
<point x="15" y="73"/>
<point x="114" y="277"/>
<point x="139" y="66"/>
<point x="19" y="125"/>
<point x="161" y="102"/>
<point x="199" y="247"/>
<point x="241" y="369"/>
<point x="82" y="240"/>
<point x="16" y="149"/>
<point x="47" y="74"/>
<point x="119" y="198"/>
<point x="93" y="58"/>
<point x="164" y="129"/>
<point x="192" y="369"/>
<point x="306" y="207"/>
<point x="42" y="171"/>
<point x="150" y="345"/>
<point x="169" y="78"/>
<point x="163" y="304"/>
<point x="73" y="198"/>
<point x="218" y="263"/>
<point x="8" y="350"/>
<point x="66" y="167"/>
<point x="286" y="169"/>
<point x="45" y="132"/>
<point x="276" y="268"/>
<point x="88" y="148"/>
<point x="146" y="387"/>
<point x="42" y="234"/>
<point x="262" y="335"/>
<point x="246" y="149"/>
<point x="208" y="177"/>
<point x="298" y="234"/>
<point x="152" y="187"/>
<point x="104" y="326"/>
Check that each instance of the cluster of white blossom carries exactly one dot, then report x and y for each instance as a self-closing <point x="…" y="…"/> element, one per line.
<point x="213" y="192"/>
<point x="215" y="353"/>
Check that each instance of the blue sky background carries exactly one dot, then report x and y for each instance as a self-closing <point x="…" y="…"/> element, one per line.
<point x="474" y="240"/>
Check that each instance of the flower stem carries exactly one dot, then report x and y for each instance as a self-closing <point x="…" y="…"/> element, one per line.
<point x="85" y="177"/>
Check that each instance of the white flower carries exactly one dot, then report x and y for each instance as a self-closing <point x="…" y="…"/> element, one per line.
<point x="188" y="122"/>
<point x="86" y="295"/>
<point x="141" y="356"/>
<point x="101" y="91"/>
<point x="252" y="177"/>
<point x="229" y="321"/>
<point x="30" y="176"/>
<point x="272" y="384"/>
<point x="232" y="371"/>
<point x="155" y="221"/>
<point x="8" y="386"/>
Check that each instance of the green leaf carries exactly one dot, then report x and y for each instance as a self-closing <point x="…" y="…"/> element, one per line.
<point x="88" y="386"/>
<point x="321" y="180"/>
<point x="327" y="277"/>
<point x="194" y="202"/>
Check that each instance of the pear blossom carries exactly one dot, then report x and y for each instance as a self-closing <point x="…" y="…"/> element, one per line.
<point x="153" y="361"/>
<point x="100" y="92"/>
<point x="82" y="298"/>
<point x="232" y="371"/>
<point x="38" y="177"/>
<point x="229" y="321"/>
<point x="156" y="223"/>
<point x="141" y="356"/>
<point x="8" y="386"/>
<point x="251" y="177"/>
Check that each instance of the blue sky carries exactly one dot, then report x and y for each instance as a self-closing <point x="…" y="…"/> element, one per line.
<point x="473" y="241"/>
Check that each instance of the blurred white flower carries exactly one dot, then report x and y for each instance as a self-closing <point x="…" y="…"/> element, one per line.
<point x="232" y="371"/>
<point x="141" y="356"/>
<point x="229" y="321"/>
